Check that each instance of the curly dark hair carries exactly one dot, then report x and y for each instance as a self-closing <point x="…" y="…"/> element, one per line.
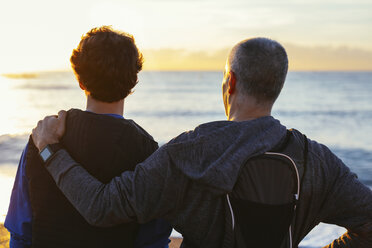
<point x="106" y="63"/>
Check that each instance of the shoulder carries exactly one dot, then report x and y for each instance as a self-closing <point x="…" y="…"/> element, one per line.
<point x="133" y="126"/>
<point x="201" y="131"/>
<point x="316" y="151"/>
<point x="128" y="127"/>
<point x="322" y="162"/>
<point x="135" y="138"/>
<point x="139" y="136"/>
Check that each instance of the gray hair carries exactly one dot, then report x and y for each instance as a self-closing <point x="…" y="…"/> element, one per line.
<point x="260" y="66"/>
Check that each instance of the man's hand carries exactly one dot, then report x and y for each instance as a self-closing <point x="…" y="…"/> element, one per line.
<point x="50" y="130"/>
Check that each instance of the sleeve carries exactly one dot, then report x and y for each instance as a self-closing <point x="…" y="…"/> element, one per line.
<point x="153" y="234"/>
<point x="19" y="216"/>
<point x="151" y="191"/>
<point x="347" y="203"/>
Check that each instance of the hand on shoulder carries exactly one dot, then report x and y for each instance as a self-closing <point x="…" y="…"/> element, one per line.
<point x="49" y="130"/>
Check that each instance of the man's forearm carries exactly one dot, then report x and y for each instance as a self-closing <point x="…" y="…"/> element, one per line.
<point x="100" y="204"/>
<point x="344" y="241"/>
<point x="351" y="239"/>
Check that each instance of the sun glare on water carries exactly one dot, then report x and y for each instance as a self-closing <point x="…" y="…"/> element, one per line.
<point x="8" y="101"/>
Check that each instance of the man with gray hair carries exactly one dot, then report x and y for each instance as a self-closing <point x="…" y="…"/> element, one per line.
<point x="262" y="65"/>
<point x="187" y="179"/>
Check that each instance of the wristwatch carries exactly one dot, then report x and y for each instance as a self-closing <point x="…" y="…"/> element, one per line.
<point x="49" y="151"/>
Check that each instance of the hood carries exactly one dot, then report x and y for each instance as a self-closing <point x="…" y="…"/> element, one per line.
<point x="213" y="153"/>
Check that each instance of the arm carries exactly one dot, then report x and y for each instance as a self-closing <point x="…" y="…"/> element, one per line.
<point x="153" y="190"/>
<point x="153" y="234"/>
<point x="146" y="193"/>
<point x="19" y="217"/>
<point x="348" y="203"/>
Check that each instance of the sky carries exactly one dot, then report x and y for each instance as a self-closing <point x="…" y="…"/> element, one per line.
<point x="188" y="34"/>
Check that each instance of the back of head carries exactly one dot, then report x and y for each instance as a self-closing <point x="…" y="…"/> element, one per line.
<point x="260" y="66"/>
<point x="106" y="63"/>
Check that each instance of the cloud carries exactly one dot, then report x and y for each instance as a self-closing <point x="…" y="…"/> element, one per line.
<point x="300" y="58"/>
<point x="328" y="58"/>
<point x="182" y="59"/>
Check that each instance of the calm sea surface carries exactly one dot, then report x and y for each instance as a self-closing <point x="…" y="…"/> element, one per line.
<point x="334" y="108"/>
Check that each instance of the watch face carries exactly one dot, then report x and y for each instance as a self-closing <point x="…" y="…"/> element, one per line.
<point x="45" y="154"/>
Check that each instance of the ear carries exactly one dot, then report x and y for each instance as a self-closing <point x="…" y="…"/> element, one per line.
<point x="82" y="86"/>
<point x="232" y="82"/>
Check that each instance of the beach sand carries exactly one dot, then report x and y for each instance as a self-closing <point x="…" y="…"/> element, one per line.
<point x="175" y="242"/>
<point x="4" y="239"/>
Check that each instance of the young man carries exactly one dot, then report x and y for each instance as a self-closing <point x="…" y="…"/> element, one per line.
<point x="106" y="64"/>
<point x="187" y="179"/>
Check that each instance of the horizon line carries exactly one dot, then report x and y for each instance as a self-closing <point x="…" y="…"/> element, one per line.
<point x="35" y="72"/>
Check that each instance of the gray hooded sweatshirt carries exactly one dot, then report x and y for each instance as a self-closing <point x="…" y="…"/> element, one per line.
<point x="185" y="182"/>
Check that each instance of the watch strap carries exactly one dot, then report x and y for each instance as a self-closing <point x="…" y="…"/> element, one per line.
<point x="49" y="151"/>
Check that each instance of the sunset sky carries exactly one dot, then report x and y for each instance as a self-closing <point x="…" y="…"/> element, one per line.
<point x="188" y="34"/>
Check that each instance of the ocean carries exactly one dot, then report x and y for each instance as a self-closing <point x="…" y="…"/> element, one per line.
<point x="334" y="108"/>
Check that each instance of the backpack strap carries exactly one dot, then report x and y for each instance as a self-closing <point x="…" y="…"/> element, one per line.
<point x="306" y="151"/>
<point x="283" y="144"/>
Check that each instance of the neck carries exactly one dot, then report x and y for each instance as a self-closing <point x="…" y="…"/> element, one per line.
<point x="247" y="109"/>
<point x="99" y="107"/>
<point x="248" y="115"/>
